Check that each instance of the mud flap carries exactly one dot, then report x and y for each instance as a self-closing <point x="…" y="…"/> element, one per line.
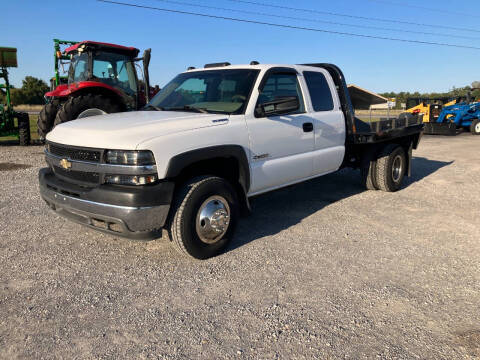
<point x="432" y="128"/>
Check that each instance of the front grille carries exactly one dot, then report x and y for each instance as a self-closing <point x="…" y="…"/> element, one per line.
<point x="92" y="178"/>
<point x="75" y="153"/>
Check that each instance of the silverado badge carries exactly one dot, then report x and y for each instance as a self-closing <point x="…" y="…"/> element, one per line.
<point x="64" y="163"/>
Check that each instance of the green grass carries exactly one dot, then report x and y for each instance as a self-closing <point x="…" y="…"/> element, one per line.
<point x="33" y="130"/>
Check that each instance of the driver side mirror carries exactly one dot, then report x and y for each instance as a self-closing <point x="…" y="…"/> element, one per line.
<point x="279" y="106"/>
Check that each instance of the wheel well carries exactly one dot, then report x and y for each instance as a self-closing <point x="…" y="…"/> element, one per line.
<point x="225" y="167"/>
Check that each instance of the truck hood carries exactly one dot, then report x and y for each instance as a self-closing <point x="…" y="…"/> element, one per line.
<point x="127" y="130"/>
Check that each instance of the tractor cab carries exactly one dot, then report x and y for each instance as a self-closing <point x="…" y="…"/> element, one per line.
<point x="113" y="66"/>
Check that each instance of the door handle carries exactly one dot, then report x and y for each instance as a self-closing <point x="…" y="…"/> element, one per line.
<point x="307" y="127"/>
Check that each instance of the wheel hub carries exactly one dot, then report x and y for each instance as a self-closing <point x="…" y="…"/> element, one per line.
<point x="397" y="168"/>
<point x="213" y="219"/>
<point x="477" y="128"/>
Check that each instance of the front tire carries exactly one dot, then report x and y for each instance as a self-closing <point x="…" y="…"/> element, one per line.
<point x="391" y="168"/>
<point x="81" y="105"/>
<point x="204" y="217"/>
<point x="46" y="118"/>
<point x="475" y="127"/>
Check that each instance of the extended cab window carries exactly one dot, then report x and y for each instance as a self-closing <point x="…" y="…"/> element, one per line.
<point x="319" y="91"/>
<point x="281" y="85"/>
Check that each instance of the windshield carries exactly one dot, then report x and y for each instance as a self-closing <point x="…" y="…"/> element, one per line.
<point x="116" y="70"/>
<point x="216" y="91"/>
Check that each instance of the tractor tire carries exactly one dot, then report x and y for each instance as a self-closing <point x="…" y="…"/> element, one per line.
<point x="204" y="216"/>
<point x="78" y="105"/>
<point x="24" y="129"/>
<point x="391" y="168"/>
<point x="475" y="127"/>
<point x="46" y="118"/>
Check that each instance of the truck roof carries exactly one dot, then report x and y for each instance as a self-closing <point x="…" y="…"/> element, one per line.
<point x="245" y="66"/>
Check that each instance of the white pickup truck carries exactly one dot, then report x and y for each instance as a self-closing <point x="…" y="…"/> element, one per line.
<point x="210" y="140"/>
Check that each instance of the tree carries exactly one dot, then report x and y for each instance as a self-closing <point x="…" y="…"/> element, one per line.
<point x="402" y="97"/>
<point x="31" y="92"/>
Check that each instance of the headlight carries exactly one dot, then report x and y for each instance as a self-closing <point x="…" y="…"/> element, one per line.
<point x="120" y="157"/>
<point x="131" y="179"/>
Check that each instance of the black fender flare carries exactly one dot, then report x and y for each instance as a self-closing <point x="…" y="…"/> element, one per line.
<point x="179" y="162"/>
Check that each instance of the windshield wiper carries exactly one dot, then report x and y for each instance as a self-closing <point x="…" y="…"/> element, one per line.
<point x="150" y="106"/>
<point x="188" y="108"/>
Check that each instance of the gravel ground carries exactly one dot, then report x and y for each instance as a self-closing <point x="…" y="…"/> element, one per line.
<point x="319" y="270"/>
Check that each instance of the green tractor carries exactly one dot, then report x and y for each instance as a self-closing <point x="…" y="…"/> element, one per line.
<point x="8" y="58"/>
<point x="62" y="60"/>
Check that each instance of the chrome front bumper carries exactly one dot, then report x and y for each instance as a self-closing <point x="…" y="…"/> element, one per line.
<point x="135" y="222"/>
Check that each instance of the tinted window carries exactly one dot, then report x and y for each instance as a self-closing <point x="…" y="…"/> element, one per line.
<point x="319" y="91"/>
<point x="279" y="86"/>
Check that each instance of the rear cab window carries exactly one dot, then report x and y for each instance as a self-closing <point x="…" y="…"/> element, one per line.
<point x="319" y="90"/>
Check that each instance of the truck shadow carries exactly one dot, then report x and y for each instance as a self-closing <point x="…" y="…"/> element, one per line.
<point x="423" y="167"/>
<point x="278" y="210"/>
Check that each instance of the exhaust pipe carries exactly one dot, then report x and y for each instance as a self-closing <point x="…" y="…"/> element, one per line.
<point x="146" y="63"/>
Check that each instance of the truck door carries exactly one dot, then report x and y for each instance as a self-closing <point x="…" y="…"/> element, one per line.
<point x="329" y="122"/>
<point x="281" y="146"/>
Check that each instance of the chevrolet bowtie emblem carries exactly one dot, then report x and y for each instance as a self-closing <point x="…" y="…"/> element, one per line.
<point x="64" y="163"/>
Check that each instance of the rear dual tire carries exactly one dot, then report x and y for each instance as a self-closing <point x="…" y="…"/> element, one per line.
<point x="386" y="170"/>
<point x="390" y="168"/>
<point x="368" y="169"/>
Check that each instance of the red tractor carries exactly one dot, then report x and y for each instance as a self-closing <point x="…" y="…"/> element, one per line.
<point x="102" y="79"/>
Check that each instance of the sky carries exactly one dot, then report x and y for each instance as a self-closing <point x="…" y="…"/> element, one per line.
<point x="179" y="40"/>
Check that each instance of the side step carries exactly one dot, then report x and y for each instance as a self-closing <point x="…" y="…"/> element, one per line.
<point x="432" y="128"/>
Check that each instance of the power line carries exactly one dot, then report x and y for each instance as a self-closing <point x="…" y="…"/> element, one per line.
<point x="288" y="26"/>
<point x="422" y="8"/>
<point x="352" y="16"/>
<point x="316" y="20"/>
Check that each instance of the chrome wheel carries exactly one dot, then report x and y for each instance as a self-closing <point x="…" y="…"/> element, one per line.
<point x="477" y="128"/>
<point x="213" y="218"/>
<point x="90" y="112"/>
<point x="397" y="168"/>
